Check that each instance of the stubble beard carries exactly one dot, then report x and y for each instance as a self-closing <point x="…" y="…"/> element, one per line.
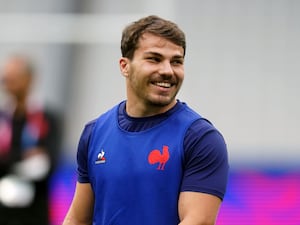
<point x="161" y="101"/>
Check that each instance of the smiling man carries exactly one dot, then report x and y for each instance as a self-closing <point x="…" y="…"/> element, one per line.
<point x="154" y="75"/>
<point x="151" y="159"/>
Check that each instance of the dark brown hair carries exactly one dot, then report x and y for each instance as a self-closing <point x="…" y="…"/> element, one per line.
<point x="154" y="25"/>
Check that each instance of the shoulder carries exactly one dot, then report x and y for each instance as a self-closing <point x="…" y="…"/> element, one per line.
<point x="204" y="142"/>
<point x="201" y="126"/>
<point x="90" y="125"/>
<point x="203" y="133"/>
<point x="83" y="145"/>
<point x="4" y="115"/>
<point x="6" y="112"/>
<point x="88" y="129"/>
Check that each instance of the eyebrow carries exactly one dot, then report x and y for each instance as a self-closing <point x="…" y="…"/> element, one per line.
<point x="160" y="55"/>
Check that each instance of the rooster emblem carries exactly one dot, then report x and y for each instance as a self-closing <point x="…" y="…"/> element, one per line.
<point x="155" y="156"/>
<point x="100" y="157"/>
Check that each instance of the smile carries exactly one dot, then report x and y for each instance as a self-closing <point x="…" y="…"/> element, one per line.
<point x="163" y="84"/>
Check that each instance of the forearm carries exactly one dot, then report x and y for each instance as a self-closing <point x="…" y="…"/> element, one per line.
<point x="198" y="208"/>
<point x="69" y="221"/>
<point x="197" y="220"/>
<point x="72" y="220"/>
<point x="81" y="209"/>
<point x="186" y="222"/>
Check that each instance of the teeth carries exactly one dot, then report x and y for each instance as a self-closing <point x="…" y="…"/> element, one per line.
<point x="162" y="84"/>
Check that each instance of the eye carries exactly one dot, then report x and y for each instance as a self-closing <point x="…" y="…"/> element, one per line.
<point x="153" y="59"/>
<point x="177" y="62"/>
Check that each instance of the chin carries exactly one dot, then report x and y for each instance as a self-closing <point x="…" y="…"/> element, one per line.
<point x="162" y="101"/>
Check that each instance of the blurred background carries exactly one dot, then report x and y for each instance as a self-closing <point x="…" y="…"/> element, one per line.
<point x="242" y="73"/>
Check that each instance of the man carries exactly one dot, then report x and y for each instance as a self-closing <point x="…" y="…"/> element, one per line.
<point x="28" y="146"/>
<point x="151" y="159"/>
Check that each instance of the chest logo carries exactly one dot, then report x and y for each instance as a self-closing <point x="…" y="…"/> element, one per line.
<point x="100" y="157"/>
<point x="155" y="156"/>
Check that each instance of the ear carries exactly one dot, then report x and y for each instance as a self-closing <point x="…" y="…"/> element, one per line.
<point x="124" y="66"/>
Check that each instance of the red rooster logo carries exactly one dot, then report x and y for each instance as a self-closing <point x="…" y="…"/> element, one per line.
<point x="155" y="156"/>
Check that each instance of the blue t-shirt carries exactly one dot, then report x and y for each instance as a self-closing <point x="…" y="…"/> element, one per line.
<point x="203" y="162"/>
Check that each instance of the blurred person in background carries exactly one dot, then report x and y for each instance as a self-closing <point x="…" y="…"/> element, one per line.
<point x="29" y="145"/>
<point x="151" y="159"/>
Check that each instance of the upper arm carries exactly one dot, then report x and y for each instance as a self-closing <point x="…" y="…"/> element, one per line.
<point x="206" y="162"/>
<point x="81" y="209"/>
<point x="205" y="175"/>
<point x="82" y="153"/>
<point x="198" y="208"/>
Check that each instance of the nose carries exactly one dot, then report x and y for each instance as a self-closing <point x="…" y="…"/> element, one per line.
<point x="166" y="68"/>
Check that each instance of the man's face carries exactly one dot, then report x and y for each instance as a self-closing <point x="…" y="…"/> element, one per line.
<point x="156" y="72"/>
<point x="14" y="79"/>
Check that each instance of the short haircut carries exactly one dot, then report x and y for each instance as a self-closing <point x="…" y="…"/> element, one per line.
<point x="153" y="25"/>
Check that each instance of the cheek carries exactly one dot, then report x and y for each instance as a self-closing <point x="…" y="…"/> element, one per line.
<point x="180" y="74"/>
<point x="137" y="75"/>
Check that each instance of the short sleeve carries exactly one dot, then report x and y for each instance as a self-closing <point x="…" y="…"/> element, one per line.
<point x="82" y="153"/>
<point x="206" y="160"/>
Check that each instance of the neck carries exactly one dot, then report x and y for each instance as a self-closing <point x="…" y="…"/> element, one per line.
<point x="142" y="110"/>
<point x="20" y="107"/>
